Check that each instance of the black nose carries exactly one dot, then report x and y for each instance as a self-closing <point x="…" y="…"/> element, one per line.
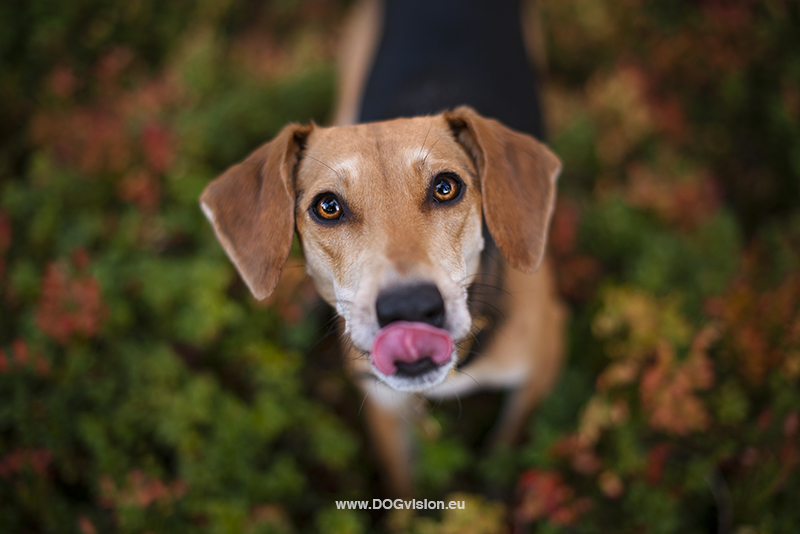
<point x="419" y="302"/>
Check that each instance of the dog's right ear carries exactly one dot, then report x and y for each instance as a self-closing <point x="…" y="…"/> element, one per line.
<point x="251" y="207"/>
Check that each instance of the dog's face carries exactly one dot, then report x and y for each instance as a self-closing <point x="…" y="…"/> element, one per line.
<point x="399" y="239"/>
<point x="390" y="216"/>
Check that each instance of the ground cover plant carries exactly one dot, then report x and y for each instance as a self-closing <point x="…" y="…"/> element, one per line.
<point x="143" y="390"/>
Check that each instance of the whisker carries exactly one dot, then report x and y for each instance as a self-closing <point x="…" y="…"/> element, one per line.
<point x="431" y="148"/>
<point x="349" y="347"/>
<point x="487" y="292"/>
<point x="298" y="287"/>
<point x="379" y="380"/>
<point x="424" y="141"/>
<point x="476" y="283"/>
<point x="361" y="407"/>
<point x="494" y="308"/>
<point x="458" y="399"/>
<point x="472" y="332"/>
<point x="331" y="331"/>
<point x="470" y="377"/>
<point x="337" y="173"/>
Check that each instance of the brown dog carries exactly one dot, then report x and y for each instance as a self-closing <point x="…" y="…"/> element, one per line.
<point x="391" y="218"/>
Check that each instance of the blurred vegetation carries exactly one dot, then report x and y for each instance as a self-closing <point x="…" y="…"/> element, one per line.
<point x="143" y="390"/>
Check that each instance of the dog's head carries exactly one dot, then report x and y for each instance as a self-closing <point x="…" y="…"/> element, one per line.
<point x="390" y="218"/>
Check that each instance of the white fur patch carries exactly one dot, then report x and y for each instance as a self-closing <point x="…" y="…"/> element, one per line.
<point x="417" y="383"/>
<point x="348" y="167"/>
<point x="414" y="156"/>
<point x="207" y="212"/>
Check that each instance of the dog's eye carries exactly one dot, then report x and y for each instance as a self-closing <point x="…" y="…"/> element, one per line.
<point x="328" y="207"/>
<point x="446" y="187"/>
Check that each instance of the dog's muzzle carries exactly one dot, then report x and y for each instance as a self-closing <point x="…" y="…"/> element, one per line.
<point x="411" y="342"/>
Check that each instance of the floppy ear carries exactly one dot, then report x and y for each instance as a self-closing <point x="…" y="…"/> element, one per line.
<point x="251" y="207"/>
<point x="518" y="184"/>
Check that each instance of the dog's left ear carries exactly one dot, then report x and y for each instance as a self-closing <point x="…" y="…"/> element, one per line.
<point x="251" y="207"/>
<point x="518" y="184"/>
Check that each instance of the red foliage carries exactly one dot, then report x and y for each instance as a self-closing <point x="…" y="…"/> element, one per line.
<point x="141" y="188"/>
<point x="611" y="484"/>
<point x="656" y="460"/>
<point x="21" y="357"/>
<point x="5" y="232"/>
<point x="86" y="526"/>
<point x="764" y="419"/>
<point x="21" y="352"/>
<point x="16" y="460"/>
<point x="668" y="389"/>
<point x="791" y="424"/>
<point x="683" y="203"/>
<point x="5" y="240"/>
<point x="41" y="366"/>
<point x="581" y="453"/>
<point x="112" y="65"/>
<point x="790" y="451"/>
<point x="91" y="140"/>
<point x="669" y="116"/>
<point x="80" y="258"/>
<point x="69" y="305"/>
<point x="121" y="134"/>
<point x="62" y="82"/>
<point x="790" y="459"/>
<point x="762" y="326"/>
<point x="577" y="273"/>
<point x="544" y="495"/>
<point x="564" y="228"/>
<point x="157" y="146"/>
<point x="140" y="491"/>
<point x="723" y="35"/>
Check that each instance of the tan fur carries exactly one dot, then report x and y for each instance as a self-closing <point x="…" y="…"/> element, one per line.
<point x="359" y="45"/>
<point x="518" y="174"/>
<point x="390" y="434"/>
<point x="394" y="234"/>
<point x="250" y="208"/>
<point x="383" y="171"/>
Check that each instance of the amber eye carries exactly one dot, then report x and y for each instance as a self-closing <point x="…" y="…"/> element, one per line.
<point x="446" y="187"/>
<point x="328" y="207"/>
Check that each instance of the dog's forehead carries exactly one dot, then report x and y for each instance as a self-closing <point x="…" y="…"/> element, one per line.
<point x="379" y="149"/>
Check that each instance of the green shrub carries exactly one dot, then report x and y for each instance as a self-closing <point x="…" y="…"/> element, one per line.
<point x="143" y="390"/>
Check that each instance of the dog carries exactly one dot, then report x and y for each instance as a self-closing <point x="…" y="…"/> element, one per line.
<point x="427" y="235"/>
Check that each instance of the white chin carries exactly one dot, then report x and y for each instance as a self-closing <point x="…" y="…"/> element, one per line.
<point x="413" y="384"/>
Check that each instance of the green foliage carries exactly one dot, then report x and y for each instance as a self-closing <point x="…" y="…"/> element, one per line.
<point x="143" y="390"/>
<point x="139" y="385"/>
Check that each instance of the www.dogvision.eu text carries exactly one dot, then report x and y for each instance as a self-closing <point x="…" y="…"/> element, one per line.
<point x="400" y="504"/>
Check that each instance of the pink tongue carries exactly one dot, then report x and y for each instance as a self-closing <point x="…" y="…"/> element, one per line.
<point x="408" y="342"/>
